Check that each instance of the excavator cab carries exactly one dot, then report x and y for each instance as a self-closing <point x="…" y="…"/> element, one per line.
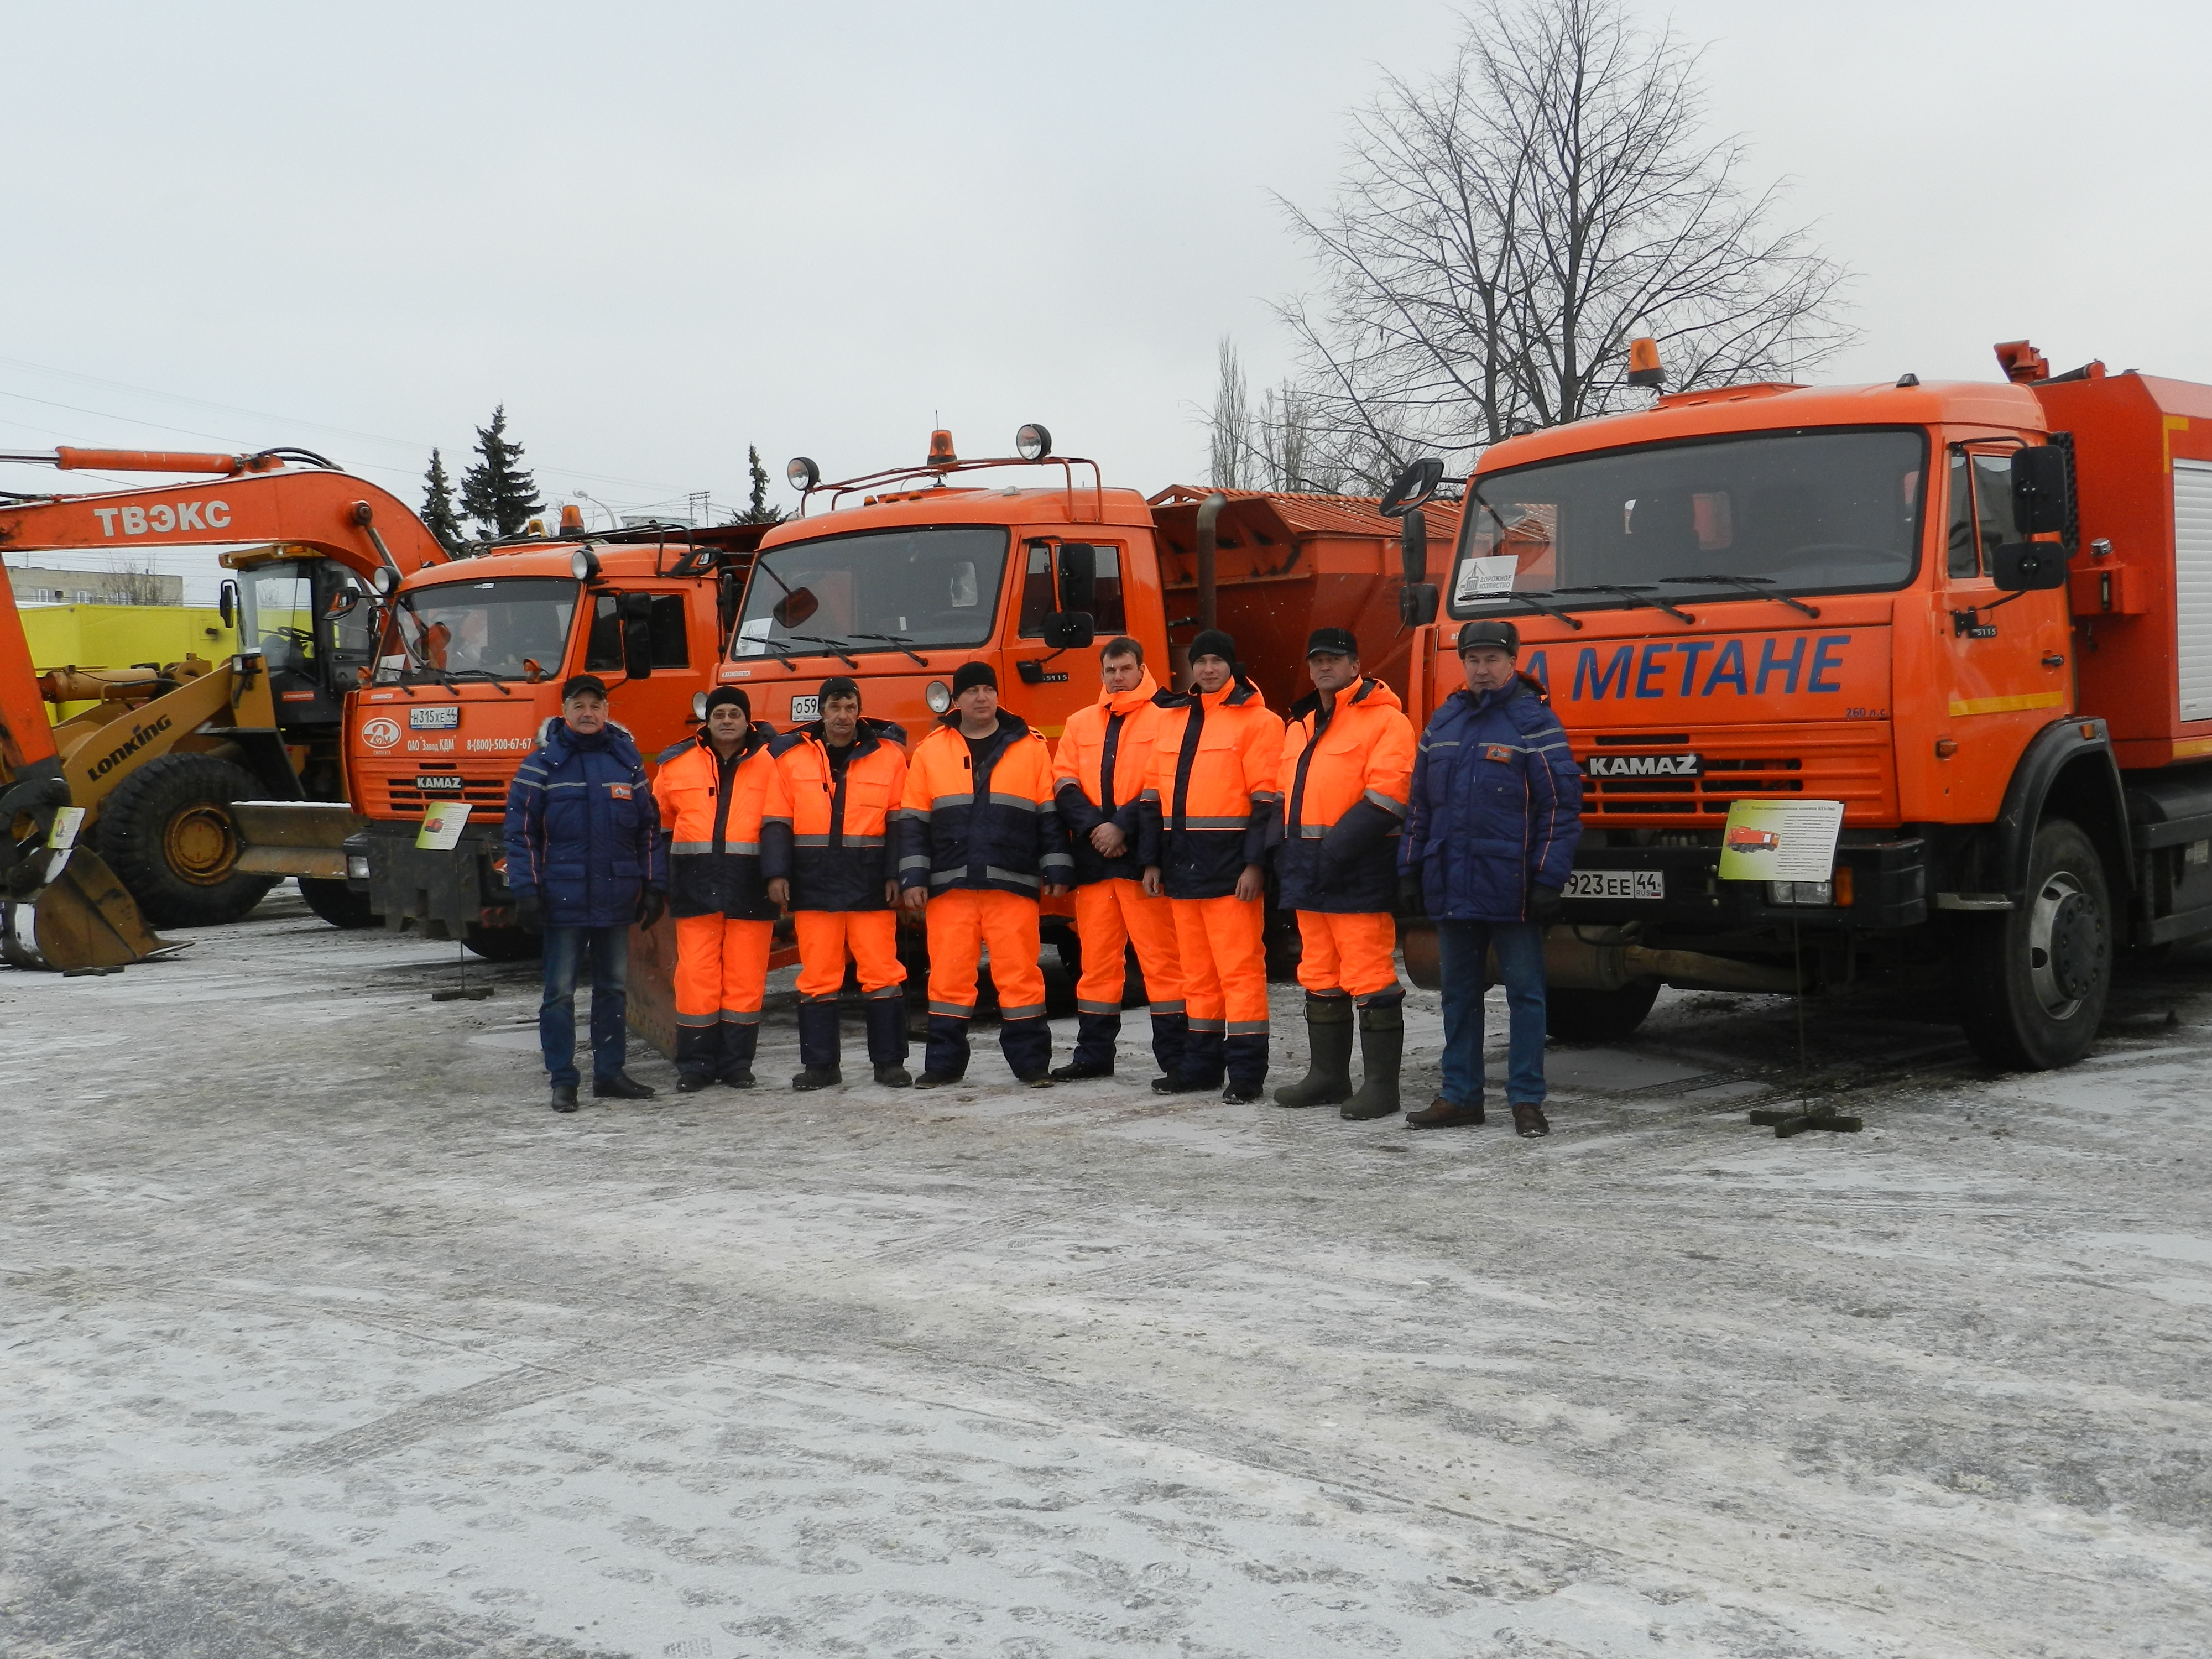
<point x="313" y="620"/>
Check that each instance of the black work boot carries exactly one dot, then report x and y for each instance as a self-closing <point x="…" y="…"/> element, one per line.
<point x="817" y="1045"/>
<point x="1095" y="1033"/>
<point x="698" y="1056"/>
<point x="887" y="1040"/>
<point x="1328" y="1073"/>
<point x="1244" y="1056"/>
<point x="1382" y="1047"/>
<point x="564" y="1097"/>
<point x="1441" y="1114"/>
<point x="1529" y="1122"/>
<point x="621" y="1087"/>
<point x="739" y="1043"/>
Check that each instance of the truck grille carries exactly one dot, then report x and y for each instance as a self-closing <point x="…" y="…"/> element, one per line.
<point x="1851" y="765"/>
<point x="402" y="800"/>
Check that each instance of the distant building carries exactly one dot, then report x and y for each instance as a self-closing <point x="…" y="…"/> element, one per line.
<point x="33" y="586"/>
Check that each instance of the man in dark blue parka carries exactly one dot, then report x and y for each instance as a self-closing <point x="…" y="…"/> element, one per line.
<point x="1491" y="834"/>
<point x="585" y="859"/>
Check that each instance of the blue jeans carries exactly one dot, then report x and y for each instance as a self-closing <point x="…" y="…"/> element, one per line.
<point x="1463" y="946"/>
<point x="557" y="1015"/>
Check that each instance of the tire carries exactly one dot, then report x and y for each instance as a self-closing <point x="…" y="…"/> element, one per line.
<point x="502" y="943"/>
<point x="1574" y="1016"/>
<point x="167" y="832"/>
<point x="2032" y="982"/>
<point x="337" y="903"/>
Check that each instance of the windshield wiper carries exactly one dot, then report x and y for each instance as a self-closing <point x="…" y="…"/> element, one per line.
<point x="1634" y="596"/>
<point x="1530" y="600"/>
<point x="783" y="652"/>
<point x="505" y="689"/>
<point x="836" y="648"/>
<point x="1757" y="585"/>
<point x="903" y="641"/>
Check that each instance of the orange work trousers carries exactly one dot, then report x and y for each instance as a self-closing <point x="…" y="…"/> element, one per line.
<point x="1109" y="916"/>
<point x="962" y="921"/>
<point x="826" y="937"/>
<point x="1224" y="963"/>
<point x="1347" y="954"/>
<point x="721" y="970"/>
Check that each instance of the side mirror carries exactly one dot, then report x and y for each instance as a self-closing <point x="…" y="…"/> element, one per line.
<point x="1413" y="546"/>
<point x="1413" y="488"/>
<point x="226" y="601"/>
<point x="2042" y="490"/>
<point x="1418" y="603"/>
<point x="795" y="607"/>
<point x="341" y="603"/>
<point x="2028" y="567"/>
<point x="1068" y="630"/>
<point x="635" y="611"/>
<point x="1079" y="574"/>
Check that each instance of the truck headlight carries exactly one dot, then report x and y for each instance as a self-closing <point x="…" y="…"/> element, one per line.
<point x="1800" y="892"/>
<point x="356" y="866"/>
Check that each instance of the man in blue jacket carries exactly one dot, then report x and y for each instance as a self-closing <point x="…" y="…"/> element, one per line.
<point x="585" y="860"/>
<point x="1490" y="837"/>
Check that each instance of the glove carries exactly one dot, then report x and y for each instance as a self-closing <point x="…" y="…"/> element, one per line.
<point x="651" y="906"/>
<point x="1544" y="905"/>
<point x="1411" y="902"/>
<point x="528" y="916"/>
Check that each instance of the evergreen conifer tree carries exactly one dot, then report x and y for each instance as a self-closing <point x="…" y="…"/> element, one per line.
<point x="440" y="516"/>
<point x="496" y="491"/>
<point x="759" y="512"/>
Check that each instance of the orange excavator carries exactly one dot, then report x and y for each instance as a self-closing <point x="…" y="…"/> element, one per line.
<point x="159" y="764"/>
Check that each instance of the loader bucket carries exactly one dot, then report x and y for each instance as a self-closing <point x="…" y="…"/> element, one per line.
<point x="82" y="920"/>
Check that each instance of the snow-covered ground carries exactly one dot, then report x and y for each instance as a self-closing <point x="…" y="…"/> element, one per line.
<point x="320" y="1334"/>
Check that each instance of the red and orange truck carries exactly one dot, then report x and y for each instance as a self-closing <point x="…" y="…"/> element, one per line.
<point x="1978" y="615"/>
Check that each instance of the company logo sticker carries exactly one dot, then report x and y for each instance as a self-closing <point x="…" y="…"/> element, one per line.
<point x="1645" y="766"/>
<point x="619" y="791"/>
<point x="380" y="733"/>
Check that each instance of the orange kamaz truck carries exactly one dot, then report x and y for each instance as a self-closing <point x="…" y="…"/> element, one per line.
<point x="1980" y="616"/>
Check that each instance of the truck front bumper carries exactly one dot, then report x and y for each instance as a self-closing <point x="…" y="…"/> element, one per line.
<point x="1678" y="889"/>
<point x="445" y="893"/>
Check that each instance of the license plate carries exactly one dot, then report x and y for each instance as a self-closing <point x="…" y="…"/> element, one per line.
<point x="434" y="717"/>
<point x="806" y="709"/>
<point x="437" y="781"/>
<point x="1676" y="765"/>
<point x="1617" y="885"/>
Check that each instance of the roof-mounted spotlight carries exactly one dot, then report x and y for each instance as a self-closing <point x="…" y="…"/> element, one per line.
<point x="584" y="564"/>
<point x="802" y="474"/>
<point x="384" y="578"/>
<point x="1034" y="442"/>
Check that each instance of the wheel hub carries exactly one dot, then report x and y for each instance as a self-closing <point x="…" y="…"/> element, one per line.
<point x="201" y="844"/>
<point x="2065" y="943"/>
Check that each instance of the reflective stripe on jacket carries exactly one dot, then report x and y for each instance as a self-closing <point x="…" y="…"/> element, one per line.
<point x="583" y="836"/>
<point x="1106" y="750"/>
<point x="836" y="839"/>
<point x="711" y="808"/>
<point x="1209" y="807"/>
<point x="993" y="829"/>
<point x="1347" y="771"/>
<point x="1496" y="805"/>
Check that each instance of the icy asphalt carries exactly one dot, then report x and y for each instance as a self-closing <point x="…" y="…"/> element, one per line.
<point x="320" y="1336"/>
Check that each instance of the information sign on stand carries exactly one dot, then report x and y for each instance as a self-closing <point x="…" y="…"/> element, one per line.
<point x="1781" y="841"/>
<point x="442" y="824"/>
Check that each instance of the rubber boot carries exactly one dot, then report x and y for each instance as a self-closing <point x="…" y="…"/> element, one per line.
<point x="739" y="1041"/>
<point x="1027" y="1045"/>
<point x="887" y="1040"/>
<point x="1328" y="1073"/>
<point x="1244" y="1057"/>
<point x="1095" y="1035"/>
<point x="817" y="1045"/>
<point x="1382" y="1047"/>
<point x="1171" y="1038"/>
<point x="698" y="1056"/>
<point x="944" y="1057"/>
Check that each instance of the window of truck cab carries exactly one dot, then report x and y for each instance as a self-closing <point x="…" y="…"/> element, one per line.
<point x="875" y="590"/>
<point x="491" y="629"/>
<point x="1108" y="610"/>
<point x="1811" y="510"/>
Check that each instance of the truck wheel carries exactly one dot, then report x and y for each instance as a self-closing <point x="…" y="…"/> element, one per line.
<point x="2033" y="982"/>
<point x="167" y="832"/>
<point x="502" y="943"/>
<point x="337" y="903"/>
<point x="1575" y="1016"/>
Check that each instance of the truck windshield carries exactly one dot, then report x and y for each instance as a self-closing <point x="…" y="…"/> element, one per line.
<point x="1810" y="512"/>
<point x="479" y="631"/>
<point x="881" y="591"/>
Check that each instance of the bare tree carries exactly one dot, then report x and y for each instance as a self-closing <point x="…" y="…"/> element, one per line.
<point x="1229" y="437"/>
<point x="1505" y="229"/>
<point x="133" y="581"/>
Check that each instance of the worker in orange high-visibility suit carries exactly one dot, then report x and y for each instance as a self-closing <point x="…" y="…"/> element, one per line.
<point x="1346" y="776"/>
<point x="1101" y="767"/>
<point x="1208" y="814"/>
<point x="983" y="843"/>
<point x="829" y="850"/>
<point x="710" y="790"/>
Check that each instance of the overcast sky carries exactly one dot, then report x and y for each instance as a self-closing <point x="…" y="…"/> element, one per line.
<point x="658" y="232"/>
